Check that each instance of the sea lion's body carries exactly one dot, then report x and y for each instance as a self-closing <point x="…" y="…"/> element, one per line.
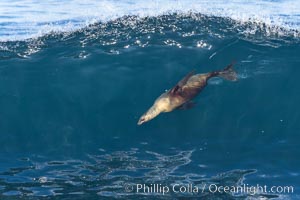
<point x="184" y="91"/>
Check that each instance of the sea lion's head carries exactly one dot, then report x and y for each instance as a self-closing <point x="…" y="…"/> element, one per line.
<point x="146" y="117"/>
<point x="160" y="105"/>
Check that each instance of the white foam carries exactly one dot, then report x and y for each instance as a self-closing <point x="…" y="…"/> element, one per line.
<point x="21" y="19"/>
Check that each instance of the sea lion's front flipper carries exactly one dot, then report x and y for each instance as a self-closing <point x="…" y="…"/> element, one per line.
<point x="181" y="83"/>
<point x="187" y="105"/>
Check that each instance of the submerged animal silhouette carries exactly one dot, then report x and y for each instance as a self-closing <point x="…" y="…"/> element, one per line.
<point x="184" y="91"/>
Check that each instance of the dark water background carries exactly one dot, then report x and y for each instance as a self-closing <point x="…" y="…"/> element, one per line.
<point x="70" y="103"/>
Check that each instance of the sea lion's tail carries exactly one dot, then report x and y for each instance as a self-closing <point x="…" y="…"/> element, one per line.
<point x="228" y="73"/>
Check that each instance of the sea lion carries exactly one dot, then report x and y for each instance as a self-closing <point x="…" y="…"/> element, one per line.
<point x="186" y="89"/>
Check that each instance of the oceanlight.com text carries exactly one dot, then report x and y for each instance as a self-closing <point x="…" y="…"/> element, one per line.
<point x="206" y="188"/>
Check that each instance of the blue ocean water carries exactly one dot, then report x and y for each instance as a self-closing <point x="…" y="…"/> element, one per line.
<point x="75" y="78"/>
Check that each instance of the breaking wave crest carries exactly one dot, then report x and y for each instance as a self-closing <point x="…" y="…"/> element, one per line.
<point x="189" y="30"/>
<point x="27" y="19"/>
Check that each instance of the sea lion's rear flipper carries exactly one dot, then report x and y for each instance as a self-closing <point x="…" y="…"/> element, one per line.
<point x="187" y="105"/>
<point x="181" y="83"/>
<point x="228" y="73"/>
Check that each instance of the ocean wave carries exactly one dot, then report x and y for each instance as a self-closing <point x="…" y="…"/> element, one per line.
<point x="21" y="20"/>
<point x="190" y="30"/>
